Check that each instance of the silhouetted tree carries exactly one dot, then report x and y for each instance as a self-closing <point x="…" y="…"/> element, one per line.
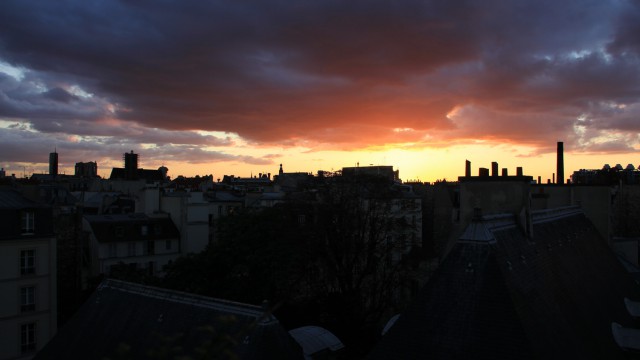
<point x="327" y="253"/>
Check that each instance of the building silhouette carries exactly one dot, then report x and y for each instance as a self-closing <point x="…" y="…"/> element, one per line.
<point x="86" y="169"/>
<point x="53" y="164"/>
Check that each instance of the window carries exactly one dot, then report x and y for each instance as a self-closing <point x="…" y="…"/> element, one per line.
<point x="113" y="250"/>
<point x="119" y="231"/>
<point x="144" y="230"/>
<point x="27" y="222"/>
<point x="27" y="262"/>
<point x="27" y="299"/>
<point x="131" y="249"/>
<point x="28" y="337"/>
<point x="168" y="245"/>
<point x="151" y="247"/>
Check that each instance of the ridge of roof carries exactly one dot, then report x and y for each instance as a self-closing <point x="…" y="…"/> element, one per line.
<point x="175" y="296"/>
<point x="546" y="215"/>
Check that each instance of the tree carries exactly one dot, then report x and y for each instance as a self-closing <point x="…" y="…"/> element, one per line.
<point x="331" y="254"/>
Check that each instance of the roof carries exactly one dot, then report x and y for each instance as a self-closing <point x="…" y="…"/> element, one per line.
<point x="12" y="199"/>
<point x="224" y="196"/>
<point x="131" y="227"/>
<point x="550" y="296"/>
<point x="150" y="322"/>
<point x="315" y="339"/>
<point x="94" y="199"/>
<point x="146" y="174"/>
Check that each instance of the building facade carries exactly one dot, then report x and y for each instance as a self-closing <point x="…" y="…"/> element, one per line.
<point x="135" y="240"/>
<point x="28" y="303"/>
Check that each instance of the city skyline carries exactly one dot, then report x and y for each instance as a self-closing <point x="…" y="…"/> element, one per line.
<point x="238" y="88"/>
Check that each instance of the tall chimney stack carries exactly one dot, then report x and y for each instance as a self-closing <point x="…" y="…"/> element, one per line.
<point x="467" y="168"/>
<point x="494" y="169"/>
<point x="560" y="163"/>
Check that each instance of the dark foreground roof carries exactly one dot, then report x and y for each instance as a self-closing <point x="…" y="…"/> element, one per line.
<point x="125" y="320"/>
<point x="552" y="296"/>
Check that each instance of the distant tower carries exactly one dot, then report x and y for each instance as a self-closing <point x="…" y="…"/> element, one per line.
<point x="280" y="172"/>
<point x="88" y="169"/>
<point x="163" y="170"/>
<point x="130" y="166"/>
<point x="53" y="163"/>
<point x="560" y="163"/>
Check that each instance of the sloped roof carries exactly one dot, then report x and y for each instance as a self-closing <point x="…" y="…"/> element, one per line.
<point x="128" y="227"/>
<point x="463" y="312"/>
<point x="12" y="199"/>
<point x="315" y="339"/>
<point x="149" y="322"/>
<point x="554" y="295"/>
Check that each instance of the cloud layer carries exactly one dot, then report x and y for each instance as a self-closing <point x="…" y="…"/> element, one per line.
<point x="329" y="74"/>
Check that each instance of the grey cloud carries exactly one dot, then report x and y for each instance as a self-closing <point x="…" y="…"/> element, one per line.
<point x="280" y="72"/>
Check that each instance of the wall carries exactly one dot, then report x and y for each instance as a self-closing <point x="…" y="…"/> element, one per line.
<point x="11" y="281"/>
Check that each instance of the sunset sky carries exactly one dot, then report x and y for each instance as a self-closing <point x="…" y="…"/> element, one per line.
<point x="240" y="86"/>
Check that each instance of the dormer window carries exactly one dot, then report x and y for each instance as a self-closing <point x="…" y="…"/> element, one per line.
<point x="27" y="222"/>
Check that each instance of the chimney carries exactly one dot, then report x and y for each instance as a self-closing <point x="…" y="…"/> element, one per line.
<point x="519" y="171"/>
<point x="483" y="172"/>
<point x="505" y="172"/>
<point x="467" y="168"/>
<point x="539" y="179"/>
<point x="553" y="177"/>
<point x="494" y="168"/>
<point x="560" y="163"/>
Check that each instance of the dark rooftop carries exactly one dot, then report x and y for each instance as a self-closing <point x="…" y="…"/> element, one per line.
<point x="141" y="174"/>
<point x="129" y="227"/>
<point x="13" y="199"/>
<point x="554" y="295"/>
<point x="125" y="320"/>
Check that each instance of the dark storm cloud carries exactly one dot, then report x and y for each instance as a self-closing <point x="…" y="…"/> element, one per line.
<point x="332" y="72"/>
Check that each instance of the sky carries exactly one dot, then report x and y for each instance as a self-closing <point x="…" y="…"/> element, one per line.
<point x="241" y="86"/>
